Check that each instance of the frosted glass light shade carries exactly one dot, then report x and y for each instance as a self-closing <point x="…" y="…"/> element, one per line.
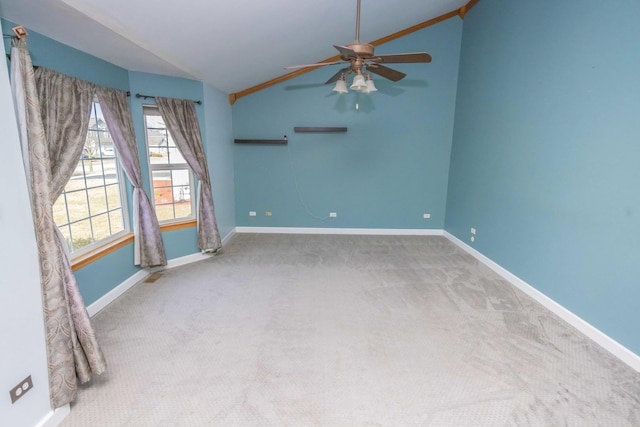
<point x="359" y="83"/>
<point x="341" y="86"/>
<point x="371" y="87"/>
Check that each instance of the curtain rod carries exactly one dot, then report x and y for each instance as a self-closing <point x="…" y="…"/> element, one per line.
<point x="35" y="67"/>
<point x="139" y="95"/>
<point x="128" y="92"/>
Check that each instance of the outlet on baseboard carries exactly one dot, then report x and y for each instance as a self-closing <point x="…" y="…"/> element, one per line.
<point x="18" y="391"/>
<point x="252" y="213"/>
<point x="333" y="214"/>
<point x="426" y="216"/>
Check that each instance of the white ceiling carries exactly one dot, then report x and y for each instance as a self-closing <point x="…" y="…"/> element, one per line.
<point x="231" y="45"/>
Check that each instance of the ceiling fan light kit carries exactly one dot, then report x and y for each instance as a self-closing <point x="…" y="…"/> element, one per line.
<point x="361" y="57"/>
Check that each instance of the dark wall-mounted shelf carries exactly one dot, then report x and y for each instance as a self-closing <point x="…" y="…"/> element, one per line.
<point x="320" y="129"/>
<point x="261" y="141"/>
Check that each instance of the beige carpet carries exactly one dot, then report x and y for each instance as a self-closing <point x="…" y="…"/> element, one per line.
<point x="292" y="330"/>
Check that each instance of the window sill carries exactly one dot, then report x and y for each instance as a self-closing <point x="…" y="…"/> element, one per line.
<point x="178" y="225"/>
<point x="85" y="259"/>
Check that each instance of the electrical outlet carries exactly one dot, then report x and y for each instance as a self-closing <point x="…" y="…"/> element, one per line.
<point x="426" y="216"/>
<point x="332" y="214"/>
<point x="267" y="213"/>
<point x="473" y="230"/>
<point x="252" y="213"/>
<point x="18" y="391"/>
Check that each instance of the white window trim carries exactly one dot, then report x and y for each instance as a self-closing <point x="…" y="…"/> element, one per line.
<point x="124" y="205"/>
<point x="159" y="166"/>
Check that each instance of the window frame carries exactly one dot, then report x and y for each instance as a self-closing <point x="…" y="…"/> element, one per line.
<point x="122" y="189"/>
<point x="151" y="108"/>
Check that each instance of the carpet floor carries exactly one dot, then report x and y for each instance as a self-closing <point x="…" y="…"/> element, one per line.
<point x="320" y="330"/>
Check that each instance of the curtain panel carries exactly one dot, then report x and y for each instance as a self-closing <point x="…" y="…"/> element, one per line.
<point x="182" y="121"/>
<point x="55" y="131"/>
<point x="148" y="246"/>
<point x="65" y="105"/>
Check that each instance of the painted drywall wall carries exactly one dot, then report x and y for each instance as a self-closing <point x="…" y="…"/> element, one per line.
<point x="545" y="154"/>
<point x="386" y="171"/>
<point x="21" y="323"/>
<point x="101" y="276"/>
<point x="219" y="148"/>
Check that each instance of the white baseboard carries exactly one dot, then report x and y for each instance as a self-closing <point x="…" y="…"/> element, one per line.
<point x="114" y="293"/>
<point x="352" y="231"/>
<point x="138" y="277"/>
<point x="55" y="417"/>
<point x="183" y="260"/>
<point x="228" y="237"/>
<point x="605" y="341"/>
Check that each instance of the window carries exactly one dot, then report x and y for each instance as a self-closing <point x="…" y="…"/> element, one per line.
<point x="171" y="177"/>
<point x="91" y="208"/>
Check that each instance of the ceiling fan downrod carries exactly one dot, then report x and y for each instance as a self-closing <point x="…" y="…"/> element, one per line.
<point x="358" y="23"/>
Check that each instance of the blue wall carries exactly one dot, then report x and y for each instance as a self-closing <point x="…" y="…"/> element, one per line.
<point x="219" y="145"/>
<point x="385" y="172"/>
<point x="101" y="276"/>
<point x="545" y="153"/>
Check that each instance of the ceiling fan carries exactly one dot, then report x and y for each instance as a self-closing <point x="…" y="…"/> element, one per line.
<point x="361" y="58"/>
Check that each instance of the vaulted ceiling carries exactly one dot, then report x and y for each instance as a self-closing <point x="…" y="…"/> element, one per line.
<point x="231" y="45"/>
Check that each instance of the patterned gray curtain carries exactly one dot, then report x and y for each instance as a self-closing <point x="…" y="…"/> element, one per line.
<point x="65" y="103"/>
<point x="73" y="352"/>
<point x="149" y="248"/>
<point x="182" y="122"/>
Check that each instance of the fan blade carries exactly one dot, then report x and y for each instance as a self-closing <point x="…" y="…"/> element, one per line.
<point x="386" y="72"/>
<point x="345" y="51"/>
<point x="400" y="58"/>
<point x="317" y="64"/>
<point x="337" y="75"/>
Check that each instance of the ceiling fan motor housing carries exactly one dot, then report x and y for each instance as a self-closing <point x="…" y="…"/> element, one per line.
<point x="363" y="50"/>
